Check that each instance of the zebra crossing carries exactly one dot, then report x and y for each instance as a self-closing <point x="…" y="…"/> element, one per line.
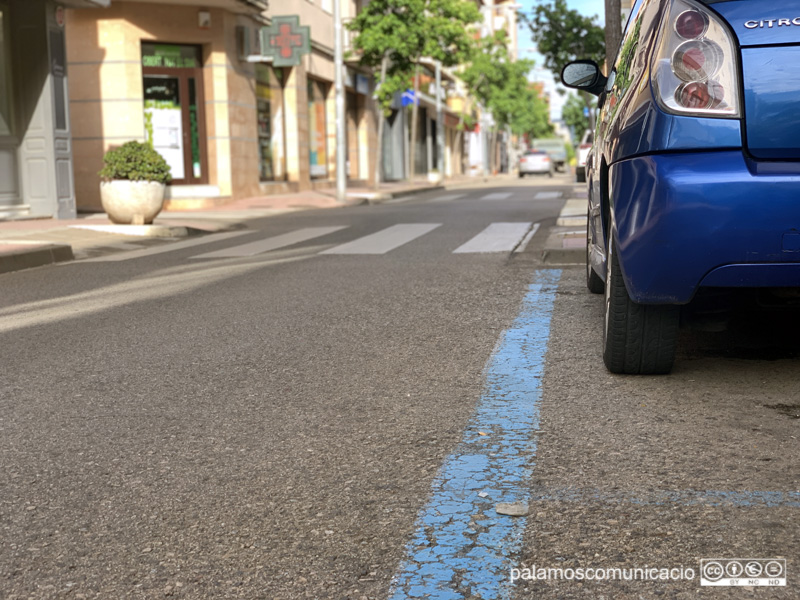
<point x="490" y="197"/>
<point x="502" y="237"/>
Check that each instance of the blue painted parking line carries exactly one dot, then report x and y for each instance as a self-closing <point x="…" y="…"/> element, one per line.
<point x="461" y="547"/>
<point x="716" y="498"/>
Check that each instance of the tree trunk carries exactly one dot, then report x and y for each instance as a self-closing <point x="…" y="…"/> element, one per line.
<point x="459" y="144"/>
<point x="493" y="155"/>
<point x="591" y="104"/>
<point x="381" y="124"/>
<point x="414" y="118"/>
<point x="613" y="31"/>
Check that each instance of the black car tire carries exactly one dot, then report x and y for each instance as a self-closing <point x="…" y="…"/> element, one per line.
<point x="638" y="339"/>
<point x="580" y="174"/>
<point x="521" y="174"/>
<point x="593" y="281"/>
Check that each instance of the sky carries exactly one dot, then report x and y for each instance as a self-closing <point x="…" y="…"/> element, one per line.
<point x="527" y="48"/>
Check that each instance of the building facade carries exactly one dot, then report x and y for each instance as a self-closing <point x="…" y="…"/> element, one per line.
<point x="79" y="77"/>
<point x="36" y="154"/>
<point x="191" y="80"/>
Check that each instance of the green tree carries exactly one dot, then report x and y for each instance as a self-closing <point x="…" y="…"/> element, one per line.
<point x="502" y="87"/>
<point x="444" y="37"/>
<point x="573" y="116"/>
<point x="394" y="35"/>
<point x="562" y="34"/>
<point x="387" y="33"/>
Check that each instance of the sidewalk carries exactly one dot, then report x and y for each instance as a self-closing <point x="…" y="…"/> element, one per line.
<point x="37" y="242"/>
<point x="566" y="244"/>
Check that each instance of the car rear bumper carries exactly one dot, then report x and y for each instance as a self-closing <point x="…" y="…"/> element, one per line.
<point x="705" y="219"/>
<point x="535" y="170"/>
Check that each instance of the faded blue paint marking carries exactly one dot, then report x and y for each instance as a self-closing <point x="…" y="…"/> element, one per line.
<point x="717" y="498"/>
<point x="462" y="548"/>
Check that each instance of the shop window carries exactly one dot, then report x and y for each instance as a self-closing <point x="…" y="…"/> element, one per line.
<point x="173" y="108"/>
<point x="269" y="101"/>
<point x="5" y="75"/>
<point x="317" y="131"/>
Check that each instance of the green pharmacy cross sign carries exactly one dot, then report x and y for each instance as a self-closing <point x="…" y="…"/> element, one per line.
<point x="285" y="40"/>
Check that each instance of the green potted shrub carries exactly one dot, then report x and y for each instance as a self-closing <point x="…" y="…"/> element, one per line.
<point x="134" y="180"/>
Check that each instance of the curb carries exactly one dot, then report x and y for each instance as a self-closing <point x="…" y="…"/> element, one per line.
<point x="138" y="230"/>
<point x="566" y="244"/>
<point x="381" y="197"/>
<point x="17" y="256"/>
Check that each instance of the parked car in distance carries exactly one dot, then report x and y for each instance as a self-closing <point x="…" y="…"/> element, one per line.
<point x="694" y="175"/>
<point x="535" y="162"/>
<point x="583" y="154"/>
<point x="556" y="148"/>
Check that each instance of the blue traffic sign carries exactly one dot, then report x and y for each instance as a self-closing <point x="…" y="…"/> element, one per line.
<point x="408" y="98"/>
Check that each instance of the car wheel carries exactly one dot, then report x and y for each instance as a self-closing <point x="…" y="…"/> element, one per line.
<point x="593" y="281"/>
<point x="637" y="338"/>
<point x="580" y="175"/>
<point x="521" y="175"/>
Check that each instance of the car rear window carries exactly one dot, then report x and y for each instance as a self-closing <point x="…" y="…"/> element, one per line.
<point x="552" y="144"/>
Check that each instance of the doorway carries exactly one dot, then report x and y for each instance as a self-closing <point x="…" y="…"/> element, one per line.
<point x="174" y="109"/>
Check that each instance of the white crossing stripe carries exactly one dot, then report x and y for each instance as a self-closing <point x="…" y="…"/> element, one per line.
<point x="206" y="239"/>
<point x="271" y="243"/>
<point x="385" y="240"/>
<point x="547" y="195"/>
<point x="498" y="196"/>
<point x="497" y="237"/>
<point x="526" y="240"/>
<point x="447" y="198"/>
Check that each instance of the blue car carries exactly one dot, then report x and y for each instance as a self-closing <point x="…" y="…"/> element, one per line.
<point x="694" y="175"/>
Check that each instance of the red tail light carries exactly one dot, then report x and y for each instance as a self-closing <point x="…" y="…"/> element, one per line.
<point x="691" y="24"/>
<point x="696" y="63"/>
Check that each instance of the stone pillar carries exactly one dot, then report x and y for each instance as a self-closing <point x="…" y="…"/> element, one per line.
<point x="295" y="105"/>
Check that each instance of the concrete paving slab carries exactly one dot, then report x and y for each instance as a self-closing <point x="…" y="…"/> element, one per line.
<point x="565" y="246"/>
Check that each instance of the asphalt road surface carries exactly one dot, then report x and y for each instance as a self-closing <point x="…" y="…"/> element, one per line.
<point x="332" y="404"/>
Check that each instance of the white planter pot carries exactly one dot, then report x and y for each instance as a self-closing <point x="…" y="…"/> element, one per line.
<point x="132" y="202"/>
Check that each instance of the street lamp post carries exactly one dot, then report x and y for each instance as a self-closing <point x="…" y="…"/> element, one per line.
<point x="341" y="123"/>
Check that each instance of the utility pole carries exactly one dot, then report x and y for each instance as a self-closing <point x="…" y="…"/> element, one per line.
<point x="613" y="31"/>
<point x="341" y="122"/>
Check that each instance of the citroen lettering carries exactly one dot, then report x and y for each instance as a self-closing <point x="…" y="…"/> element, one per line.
<point x="772" y="23"/>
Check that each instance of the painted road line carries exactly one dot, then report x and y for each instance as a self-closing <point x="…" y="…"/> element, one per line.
<point x="750" y="499"/>
<point x="497" y="237"/>
<point x="547" y="195"/>
<point x="526" y="240"/>
<point x="271" y="243"/>
<point x="498" y="196"/>
<point x="385" y="240"/>
<point x="447" y="198"/>
<point x="461" y="547"/>
<point x="170" y="247"/>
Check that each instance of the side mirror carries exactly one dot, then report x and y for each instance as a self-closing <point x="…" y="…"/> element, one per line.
<point x="584" y="75"/>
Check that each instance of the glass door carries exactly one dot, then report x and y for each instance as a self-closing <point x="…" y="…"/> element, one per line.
<point x="173" y="109"/>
